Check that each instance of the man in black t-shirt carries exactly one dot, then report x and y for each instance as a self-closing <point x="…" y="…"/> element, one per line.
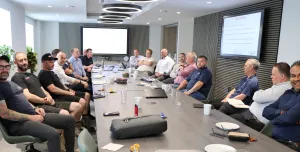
<point x="58" y="91"/>
<point x="36" y="94"/>
<point x="20" y="118"/>
<point x="87" y="62"/>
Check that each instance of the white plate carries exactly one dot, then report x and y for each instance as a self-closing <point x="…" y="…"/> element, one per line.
<point x="219" y="148"/>
<point x="227" y="126"/>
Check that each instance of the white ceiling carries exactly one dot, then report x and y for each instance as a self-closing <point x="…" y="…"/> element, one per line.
<point x="164" y="9"/>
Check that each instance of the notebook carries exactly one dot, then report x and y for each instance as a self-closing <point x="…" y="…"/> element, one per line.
<point x="237" y="103"/>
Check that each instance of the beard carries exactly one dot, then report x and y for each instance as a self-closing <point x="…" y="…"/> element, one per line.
<point x="23" y="67"/>
<point x="4" y="76"/>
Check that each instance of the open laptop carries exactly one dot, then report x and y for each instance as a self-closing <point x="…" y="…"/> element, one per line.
<point x="155" y="93"/>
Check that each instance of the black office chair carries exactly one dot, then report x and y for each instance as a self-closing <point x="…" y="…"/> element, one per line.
<point x="267" y="130"/>
<point x="27" y="140"/>
<point x="209" y="95"/>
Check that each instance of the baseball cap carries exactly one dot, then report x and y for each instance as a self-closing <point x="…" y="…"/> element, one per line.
<point x="48" y="57"/>
<point x="4" y="57"/>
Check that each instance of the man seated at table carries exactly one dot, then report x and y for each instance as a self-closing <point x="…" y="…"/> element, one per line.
<point x="186" y="69"/>
<point x="252" y="117"/>
<point x="244" y="90"/>
<point x="134" y="60"/>
<point x="146" y="64"/>
<point x="20" y="118"/>
<point x="198" y="83"/>
<point x="285" y="112"/>
<point x="174" y="72"/>
<point x="36" y="94"/>
<point x="87" y="62"/>
<point x="79" y="71"/>
<point x="164" y="66"/>
<point x="57" y="90"/>
<point x="68" y="68"/>
<point x="70" y="82"/>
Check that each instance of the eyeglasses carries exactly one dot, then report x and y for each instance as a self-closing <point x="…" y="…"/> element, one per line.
<point x="6" y="67"/>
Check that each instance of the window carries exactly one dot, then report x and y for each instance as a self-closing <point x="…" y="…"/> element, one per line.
<point x="5" y="28"/>
<point x="29" y="35"/>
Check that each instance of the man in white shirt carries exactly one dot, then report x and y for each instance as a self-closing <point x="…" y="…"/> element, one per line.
<point x="164" y="66"/>
<point x="73" y="83"/>
<point x="147" y="63"/>
<point x="176" y="68"/>
<point x="134" y="60"/>
<point x="262" y="98"/>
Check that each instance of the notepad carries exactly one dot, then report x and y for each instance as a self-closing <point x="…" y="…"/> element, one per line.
<point x="112" y="147"/>
<point x="237" y="103"/>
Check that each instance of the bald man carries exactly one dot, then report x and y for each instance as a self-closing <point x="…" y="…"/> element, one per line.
<point x="164" y="66"/>
<point x="70" y="82"/>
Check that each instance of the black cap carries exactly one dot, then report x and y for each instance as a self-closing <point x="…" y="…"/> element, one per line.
<point x="4" y="57"/>
<point x="48" y="57"/>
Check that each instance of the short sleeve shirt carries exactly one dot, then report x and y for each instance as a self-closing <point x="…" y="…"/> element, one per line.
<point x="49" y="77"/>
<point x="86" y="61"/>
<point x="15" y="99"/>
<point x="29" y="81"/>
<point x="247" y="86"/>
<point x="204" y="75"/>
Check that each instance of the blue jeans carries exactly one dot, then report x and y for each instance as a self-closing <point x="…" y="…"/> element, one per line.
<point x="197" y="95"/>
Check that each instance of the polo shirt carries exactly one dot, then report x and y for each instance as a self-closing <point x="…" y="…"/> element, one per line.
<point x="247" y="86"/>
<point x="86" y="61"/>
<point x="204" y="75"/>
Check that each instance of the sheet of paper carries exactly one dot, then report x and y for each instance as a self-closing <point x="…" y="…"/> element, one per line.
<point x="98" y="82"/>
<point x="241" y="106"/>
<point x="237" y="103"/>
<point x="112" y="147"/>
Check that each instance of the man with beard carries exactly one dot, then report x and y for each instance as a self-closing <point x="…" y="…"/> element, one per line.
<point x="285" y="112"/>
<point x="36" y="94"/>
<point x="21" y="119"/>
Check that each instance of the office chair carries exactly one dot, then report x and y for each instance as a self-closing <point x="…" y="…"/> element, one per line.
<point x="209" y="95"/>
<point x="86" y="142"/>
<point x="27" y="140"/>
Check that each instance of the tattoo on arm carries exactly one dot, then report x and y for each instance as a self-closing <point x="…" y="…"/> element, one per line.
<point x="10" y="114"/>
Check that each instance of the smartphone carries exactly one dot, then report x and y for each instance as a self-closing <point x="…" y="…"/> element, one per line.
<point x="111" y="113"/>
<point x="198" y="105"/>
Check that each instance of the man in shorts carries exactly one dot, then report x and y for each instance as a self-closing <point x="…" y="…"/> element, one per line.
<point x="36" y="94"/>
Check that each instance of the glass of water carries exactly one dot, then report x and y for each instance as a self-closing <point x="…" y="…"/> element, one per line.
<point x="177" y="98"/>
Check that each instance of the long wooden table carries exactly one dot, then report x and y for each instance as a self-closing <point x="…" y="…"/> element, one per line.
<point x="188" y="127"/>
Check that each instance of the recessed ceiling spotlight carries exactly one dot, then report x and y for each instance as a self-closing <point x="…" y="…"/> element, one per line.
<point x="49" y="6"/>
<point x="148" y="22"/>
<point x="71" y="6"/>
<point x="159" y="18"/>
<point x="122" y="8"/>
<point x="160" y="10"/>
<point x="138" y="1"/>
<point x="57" y="14"/>
<point x="178" y="12"/>
<point x="208" y="2"/>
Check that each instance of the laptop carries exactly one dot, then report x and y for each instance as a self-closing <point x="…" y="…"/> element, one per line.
<point x="155" y="93"/>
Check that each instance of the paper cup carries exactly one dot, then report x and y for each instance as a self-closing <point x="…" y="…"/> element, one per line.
<point x="207" y="109"/>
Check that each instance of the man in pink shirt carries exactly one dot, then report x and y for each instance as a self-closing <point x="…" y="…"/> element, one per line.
<point x="187" y="69"/>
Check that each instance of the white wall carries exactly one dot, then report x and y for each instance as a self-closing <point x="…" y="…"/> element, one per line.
<point x="185" y="35"/>
<point x="17" y="16"/>
<point x="290" y="31"/>
<point x="155" y="40"/>
<point x="49" y="36"/>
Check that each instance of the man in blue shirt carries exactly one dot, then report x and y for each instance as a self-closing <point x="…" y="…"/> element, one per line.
<point x="198" y="83"/>
<point x="243" y="91"/>
<point x="285" y="112"/>
<point x="76" y="62"/>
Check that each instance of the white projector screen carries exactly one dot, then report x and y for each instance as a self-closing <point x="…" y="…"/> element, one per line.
<point x="105" y="41"/>
<point x="241" y="36"/>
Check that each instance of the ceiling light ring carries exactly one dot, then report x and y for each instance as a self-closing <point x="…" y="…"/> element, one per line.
<point x="109" y="21"/>
<point x="122" y="8"/>
<point x="138" y="1"/>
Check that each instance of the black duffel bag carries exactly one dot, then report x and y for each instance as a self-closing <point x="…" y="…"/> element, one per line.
<point x="141" y="126"/>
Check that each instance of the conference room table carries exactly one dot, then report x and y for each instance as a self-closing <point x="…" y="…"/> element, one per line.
<point x="188" y="127"/>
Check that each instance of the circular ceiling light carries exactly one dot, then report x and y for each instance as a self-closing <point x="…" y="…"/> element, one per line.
<point x="138" y="1"/>
<point x="122" y="8"/>
<point x="109" y="21"/>
<point x="114" y="16"/>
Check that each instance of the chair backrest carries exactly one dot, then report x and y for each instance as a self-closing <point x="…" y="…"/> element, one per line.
<point x="267" y="130"/>
<point x="3" y="130"/>
<point x="86" y="142"/>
